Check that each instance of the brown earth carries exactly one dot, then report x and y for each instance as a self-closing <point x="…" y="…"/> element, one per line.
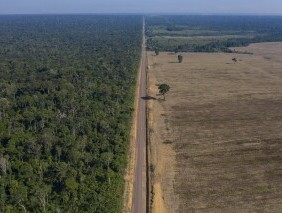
<point x="216" y="142"/>
<point x="131" y="159"/>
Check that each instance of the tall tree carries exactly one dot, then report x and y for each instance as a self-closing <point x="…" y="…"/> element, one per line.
<point x="163" y="89"/>
<point x="157" y="52"/>
<point x="180" y="58"/>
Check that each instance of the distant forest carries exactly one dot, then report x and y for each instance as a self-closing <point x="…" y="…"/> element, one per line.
<point x="66" y="98"/>
<point x="210" y="33"/>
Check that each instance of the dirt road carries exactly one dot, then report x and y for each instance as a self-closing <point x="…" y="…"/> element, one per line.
<point x="139" y="195"/>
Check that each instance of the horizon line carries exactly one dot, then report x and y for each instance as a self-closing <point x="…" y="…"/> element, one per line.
<point x="149" y="13"/>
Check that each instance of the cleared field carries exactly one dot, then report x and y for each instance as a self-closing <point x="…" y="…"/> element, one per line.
<point x="216" y="142"/>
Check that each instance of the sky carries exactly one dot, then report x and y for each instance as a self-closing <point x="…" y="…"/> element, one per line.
<point x="142" y="6"/>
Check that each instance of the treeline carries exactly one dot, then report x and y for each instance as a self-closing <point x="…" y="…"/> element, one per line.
<point x="224" y="46"/>
<point x="252" y="29"/>
<point x="216" y="46"/>
<point x="66" y="98"/>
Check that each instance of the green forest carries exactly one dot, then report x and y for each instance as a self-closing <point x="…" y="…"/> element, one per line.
<point x="207" y="33"/>
<point x="66" y="97"/>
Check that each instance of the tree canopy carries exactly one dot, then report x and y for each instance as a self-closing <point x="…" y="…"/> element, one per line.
<point x="163" y="89"/>
<point x="180" y="58"/>
<point x="66" y="98"/>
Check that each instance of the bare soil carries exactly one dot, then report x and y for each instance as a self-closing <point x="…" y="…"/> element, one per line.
<point x="216" y="142"/>
<point x="131" y="159"/>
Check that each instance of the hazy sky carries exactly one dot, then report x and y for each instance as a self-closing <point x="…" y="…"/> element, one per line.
<point x="141" y="6"/>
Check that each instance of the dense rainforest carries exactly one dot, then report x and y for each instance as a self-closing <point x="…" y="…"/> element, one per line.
<point x="66" y="98"/>
<point x="210" y="33"/>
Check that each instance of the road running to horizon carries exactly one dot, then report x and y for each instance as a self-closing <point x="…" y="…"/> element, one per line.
<point x="139" y="194"/>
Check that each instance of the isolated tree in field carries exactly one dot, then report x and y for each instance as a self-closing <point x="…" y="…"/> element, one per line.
<point x="234" y="60"/>
<point x="157" y="52"/>
<point x="180" y="58"/>
<point x="163" y="89"/>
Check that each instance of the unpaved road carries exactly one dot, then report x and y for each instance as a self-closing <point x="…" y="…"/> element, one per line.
<point x="139" y="195"/>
